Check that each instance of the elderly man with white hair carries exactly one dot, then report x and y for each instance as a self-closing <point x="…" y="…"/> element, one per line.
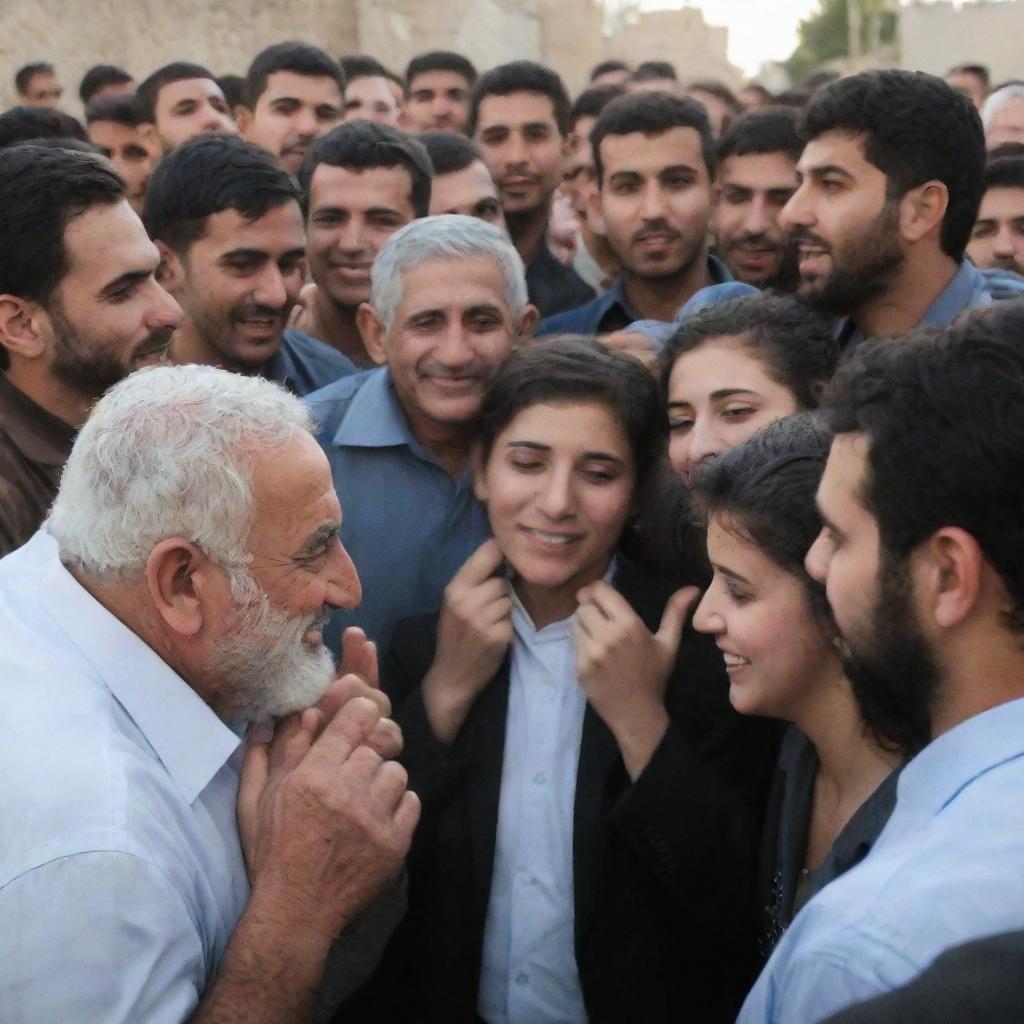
<point x="177" y="592"/>
<point x="1002" y="116"/>
<point x="448" y="302"/>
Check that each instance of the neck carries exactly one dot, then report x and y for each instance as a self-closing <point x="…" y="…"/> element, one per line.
<point x="598" y="247"/>
<point x="450" y="444"/>
<point x="527" y="230"/>
<point x="660" y="298"/>
<point x="33" y="380"/>
<point x="914" y="288"/>
<point x="189" y="346"/>
<point x="545" y="604"/>
<point x="335" y="324"/>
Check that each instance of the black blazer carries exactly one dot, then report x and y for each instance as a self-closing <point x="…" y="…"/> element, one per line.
<point x="664" y="868"/>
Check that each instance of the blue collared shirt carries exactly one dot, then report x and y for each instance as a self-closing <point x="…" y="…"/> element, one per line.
<point x="121" y="874"/>
<point x="947" y="868"/>
<point x="406" y="523"/>
<point x="304" y="364"/>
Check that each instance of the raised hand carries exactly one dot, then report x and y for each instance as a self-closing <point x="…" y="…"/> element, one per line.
<point x="474" y="632"/>
<point x="623" y="668"/>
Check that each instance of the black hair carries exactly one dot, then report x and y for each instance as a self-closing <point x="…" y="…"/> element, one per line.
<point x="652" y="113"/>
<point x="299" y="58"/>
<point x="650" y="70"/>
<point x="206" y="175"/>
<point x="819" y="79"/>
<point x="797" y="347"/>
<point x="916" y="128"/>
<point x="607" y="66"/>
<point x="233" y="87"/>
<point x="28" y="72"/>
<point x="98" y="77"/>
<point x="795" y="98"/>
<point x="1005" y="172"/>
<point x="148" y="90"/>
<point x="26" y="124"/>
<point x="119" y="109"/>
<point x="766" y="130"/>
<point x="943" y="413"/>
<point x="364" y="144"/>
<point x="571" y="370"/>
<point x="63" y="142"/>
<point x="440" y="60"/>
<point x="391" y="76"/>
<point x="41" y="191"/>
<point x="592" y="101"/>
<point x="448" y="151"/>
<point x="978" y="70"/>
<point x="361" y="66"/>
<point x="719" y="90"/>
<point x="766" y="96"/>
<point x="521" y="76"/>
<point x="764" y="490"/>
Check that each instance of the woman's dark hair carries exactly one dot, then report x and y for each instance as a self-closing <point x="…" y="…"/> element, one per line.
<point x="569" y="370"/>
<point x="798" y="348"/>
<point x="764" y="488"/>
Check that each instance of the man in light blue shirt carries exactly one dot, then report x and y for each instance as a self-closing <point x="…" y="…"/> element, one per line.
<point x="175" y="594"/>
<point x="448" y="302"/>
<point x="920" y="558"/>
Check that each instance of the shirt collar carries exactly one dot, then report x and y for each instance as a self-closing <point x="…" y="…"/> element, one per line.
<point x="956" y="758"/>
<point x="374" y="418"/>
<point x="39" y="435"/>
<point x="956" y="296"/>
<point x="191" y="741"/>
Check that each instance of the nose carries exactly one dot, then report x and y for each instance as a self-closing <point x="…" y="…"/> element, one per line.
<point x="352" y="236"/>
<point x="706" y="618"/>
<point x="653" y="202"/>
<point x="343" y="587"/>
<point x="305" y="122"/>
<point x="704" y="442"/>
<point x="797" y="211"/>
<point x="270" y="288"/>
<point x="756" y="220"/>
<point x="555" y="499"/>
<point x="818" y="557"/>
<point x="164" y="311"/>
<point x="1004" y="243"/>
<point x="515" y="150"/>
<point x="452" y="349"/>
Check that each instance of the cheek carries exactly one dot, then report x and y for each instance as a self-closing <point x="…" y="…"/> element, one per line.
<point x="679" y="451"/>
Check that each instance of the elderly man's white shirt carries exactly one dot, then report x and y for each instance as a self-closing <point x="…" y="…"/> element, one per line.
<point x="121" y="875"/>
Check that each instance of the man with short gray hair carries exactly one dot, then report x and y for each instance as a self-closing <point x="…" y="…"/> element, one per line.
<point x="448" y="301"/>
<point x="177" y="592"/>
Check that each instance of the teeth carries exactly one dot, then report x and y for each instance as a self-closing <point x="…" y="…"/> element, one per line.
<point x="733" y="660"/>
<point x="551" y="538"/>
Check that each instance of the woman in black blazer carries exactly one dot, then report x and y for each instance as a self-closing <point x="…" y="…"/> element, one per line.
<point x="613" y="881"/>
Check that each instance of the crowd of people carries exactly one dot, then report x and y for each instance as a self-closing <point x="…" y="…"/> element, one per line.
<point x="471" y="553"/>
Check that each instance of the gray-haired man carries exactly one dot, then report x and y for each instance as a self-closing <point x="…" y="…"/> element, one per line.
<point x="448" y="301"/>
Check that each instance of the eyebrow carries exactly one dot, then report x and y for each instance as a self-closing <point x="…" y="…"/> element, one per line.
<point x="587" y="456"/>
<point x="244" y="254"/>
<point x="731" y="573"/>
<point x="131" y="277"/>
<point x="318" y="539"/>
<point x="826" y="169"/>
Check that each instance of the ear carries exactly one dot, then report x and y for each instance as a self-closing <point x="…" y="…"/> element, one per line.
<point x="148" y="133"/>
<point x="180" y="580"/>
<point x="477" y="465"/>
<point x="22" y="331"/>
<point x="171" y="273"/>
<point x="371" y="328"/>
<point x="922" y="210"/>
<point x="243" y="118"/>
<point x="595" y="214"/>
<point x="568" y="144"/>
<point x="528" y="324"/>
<point x="950" y="581"/>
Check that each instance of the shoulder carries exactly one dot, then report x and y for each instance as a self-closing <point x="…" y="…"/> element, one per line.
<point x="313" y="350"/>
<point x="330" y="404"/>
<point x="582" y="319"/>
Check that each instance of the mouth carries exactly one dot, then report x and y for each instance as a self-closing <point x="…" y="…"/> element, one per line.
<point x="552" y="538"/>
<point x="656" y="238"/>
<point x="733" y="661"/>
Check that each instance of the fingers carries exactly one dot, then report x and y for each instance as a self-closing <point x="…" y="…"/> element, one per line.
<point x="386" y="739"/>
<point x="342" y="690"/>
<point x="292" y="738"/>
<point x="255" y="772"/>
<point x="346" y="731"/>
<point x="407" y="815"/>
<point x="484" y="562"/>
<point x="673" y="619"/>
<point x="389" y="785"/>
<point x="359" y="656"/>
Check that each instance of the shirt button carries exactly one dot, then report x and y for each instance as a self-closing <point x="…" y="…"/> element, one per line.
<point x="522" y="979"/>
<point x="540" y="778"/>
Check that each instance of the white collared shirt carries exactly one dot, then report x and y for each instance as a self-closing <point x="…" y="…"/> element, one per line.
<point x="529" y="973"/>
<point x="121" y="874"/>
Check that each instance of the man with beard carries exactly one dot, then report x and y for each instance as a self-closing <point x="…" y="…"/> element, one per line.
<point x="227" y="221"/>
<point x="294" y="92"/>
<point x="175" y="594"/>
<point x="757" y="159"/>
<point x="920" y="560"/>
<point x="655" y="165"/>
<point x="79" y="309"/>
<point x="448" y="303"/>
<point x="890" y="181"/>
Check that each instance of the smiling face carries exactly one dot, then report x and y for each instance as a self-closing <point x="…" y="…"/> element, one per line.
<point x="438" y="101"/>
<point x="352" y="213"/>
<point x="776" y="651"/>
<point x="655" y="201"/>
<point x="558" y="484"/>
<point x="719" y="394"/>
<point x="190" y="107"/>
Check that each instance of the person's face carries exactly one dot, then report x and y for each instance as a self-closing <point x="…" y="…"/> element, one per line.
<point x="352" y="213"/>
<point x="241" y="279"/>
<point x="1006" y="124"/>
<point x="108" y="316"/>
<point x="130" y="152"/>
<point x="522" y="147"/>
<point x="775" y="649"/>
<point x="655" y="201"/>
<point x="191" y="107"/>
<point x="620" y="77"/>
<point x="719" y="394"/>
<point x="369" y="98"/>
<point x="752" y="190"/>
<point x="269" y="655"/>
<point x="559" y="485"/>
<point x="451" y="330"/>
<point x="43" y="90"/>
<point x="845" y="229"/>
<point x="292" y="111"/>
<point x="578" y="179"/>
<point x="970" y="85"/>
<point x="884" y="651"/>
<point x="113" y="89"/>
<point x="719" y="112"/>
<point x="470" y="191"/>
<point x="438" y="101"/>
<point x="997" y="240"/>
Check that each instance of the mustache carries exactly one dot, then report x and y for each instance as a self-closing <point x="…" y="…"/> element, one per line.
<point x="261" y="312"/>
<point x="657" y="227"/>
<point x="476" y="371"/>
<point x="800" y="236"/>
<point x="156" y="341"/>
<point x="758" y="238"/>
